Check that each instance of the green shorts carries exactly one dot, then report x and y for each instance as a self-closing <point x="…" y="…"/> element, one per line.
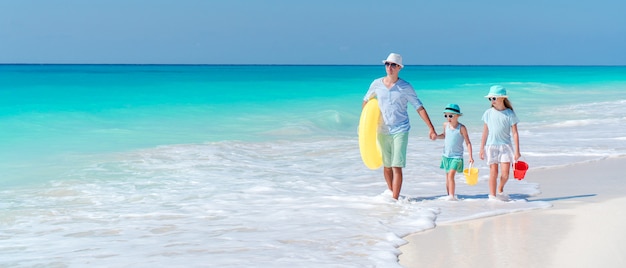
<point x="448" y="164"/>
<point x="393" y="148"/>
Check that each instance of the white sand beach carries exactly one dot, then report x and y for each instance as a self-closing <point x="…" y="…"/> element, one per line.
<point x="584" y="228"/>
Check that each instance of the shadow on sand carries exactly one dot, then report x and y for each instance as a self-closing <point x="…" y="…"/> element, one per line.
<point x="511" y="196"/>
<point x="562" y="197"/>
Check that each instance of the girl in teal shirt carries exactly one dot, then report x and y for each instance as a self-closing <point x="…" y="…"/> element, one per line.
<point x="500" y="126"/>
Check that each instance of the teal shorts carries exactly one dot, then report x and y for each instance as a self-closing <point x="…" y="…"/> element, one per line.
<point x="393" y="148"/>
<point x="448" y="164"/>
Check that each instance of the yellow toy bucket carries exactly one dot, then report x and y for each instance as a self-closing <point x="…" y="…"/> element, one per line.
<point x="471" y="175"/>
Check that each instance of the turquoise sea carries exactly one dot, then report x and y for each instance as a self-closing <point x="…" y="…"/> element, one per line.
<point x="258" y="165"/>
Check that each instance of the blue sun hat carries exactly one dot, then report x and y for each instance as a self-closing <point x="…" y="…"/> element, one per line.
<point x="497" y="91"/>
<point x="452" y="109"/>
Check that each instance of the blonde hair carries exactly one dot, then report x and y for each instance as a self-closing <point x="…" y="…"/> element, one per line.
<point x="507" y="104"/>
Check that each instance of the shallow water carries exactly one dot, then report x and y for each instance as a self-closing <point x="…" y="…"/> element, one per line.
<point x="259" y="165"/>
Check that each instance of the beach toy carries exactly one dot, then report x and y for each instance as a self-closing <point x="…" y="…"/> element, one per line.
<point x="471" y="175"/>
<point x="519" y="170"/>
<point x="368" y="144"/>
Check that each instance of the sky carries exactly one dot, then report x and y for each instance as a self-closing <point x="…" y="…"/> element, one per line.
<point x="425" y="32"/>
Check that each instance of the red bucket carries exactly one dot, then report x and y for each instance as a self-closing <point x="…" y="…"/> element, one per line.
<point x="519" y="170"/>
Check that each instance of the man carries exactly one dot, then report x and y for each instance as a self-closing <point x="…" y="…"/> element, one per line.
<point x="394" y="94"/>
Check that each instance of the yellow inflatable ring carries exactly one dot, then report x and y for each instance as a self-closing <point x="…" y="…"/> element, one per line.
<point x="368" y="124"/>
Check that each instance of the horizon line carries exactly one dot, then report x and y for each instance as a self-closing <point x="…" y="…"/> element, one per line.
<point x="284" y="64"/>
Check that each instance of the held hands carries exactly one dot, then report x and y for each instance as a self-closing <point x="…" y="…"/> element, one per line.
<point x="432" y="134"/>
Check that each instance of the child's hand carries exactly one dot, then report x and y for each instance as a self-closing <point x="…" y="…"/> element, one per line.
<point x="433" y="135"/>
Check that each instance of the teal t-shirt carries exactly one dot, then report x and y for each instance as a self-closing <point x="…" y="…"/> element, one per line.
<point x="499" y="124"/>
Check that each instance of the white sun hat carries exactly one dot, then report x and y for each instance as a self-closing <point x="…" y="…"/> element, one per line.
<point x="394" y="58"/>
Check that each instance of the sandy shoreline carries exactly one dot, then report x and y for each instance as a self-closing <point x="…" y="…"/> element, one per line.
<point x="584" y="228"/>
